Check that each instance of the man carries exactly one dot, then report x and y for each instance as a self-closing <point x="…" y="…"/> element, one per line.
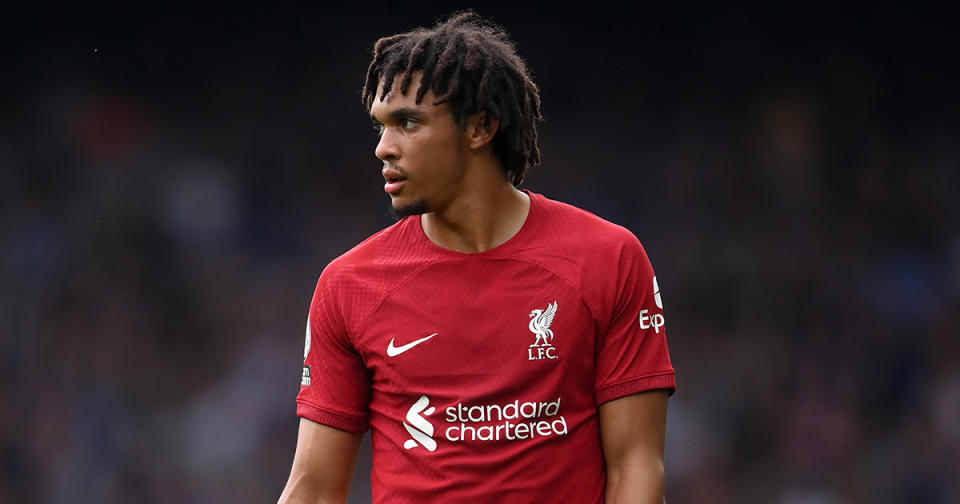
<point x="500" y="346"/>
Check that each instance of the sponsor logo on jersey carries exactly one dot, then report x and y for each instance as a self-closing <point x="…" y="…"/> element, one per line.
<point x="305" y="376"/>
<point x="656" y="293"/>
<point x="540" y="321"/>
<point x="422" y="430"/>
<point x="469" y="423"/>
<point x="654" y="320"/>
<point x="393" y="351"/>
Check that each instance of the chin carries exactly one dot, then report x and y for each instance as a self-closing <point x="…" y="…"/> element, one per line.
<point x="400" y="210"/>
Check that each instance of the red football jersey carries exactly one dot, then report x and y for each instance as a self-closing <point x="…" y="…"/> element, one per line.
<point x="480" y="374"/>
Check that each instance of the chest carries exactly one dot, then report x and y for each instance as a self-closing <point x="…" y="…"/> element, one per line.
<point x="502" y="329"/>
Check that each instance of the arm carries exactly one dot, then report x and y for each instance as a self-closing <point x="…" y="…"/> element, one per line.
<point x="632" y="431"/>
<point x="322" y="466"/>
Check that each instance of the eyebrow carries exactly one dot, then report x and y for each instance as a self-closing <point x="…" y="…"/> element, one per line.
<point x="402" y="113"/>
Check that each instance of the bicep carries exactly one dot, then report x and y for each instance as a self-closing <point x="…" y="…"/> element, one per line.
<point x="322" y="465"/>
<point x="633" y="431"/>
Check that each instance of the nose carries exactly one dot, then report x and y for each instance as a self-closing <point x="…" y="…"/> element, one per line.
<point x="387" y="149"/>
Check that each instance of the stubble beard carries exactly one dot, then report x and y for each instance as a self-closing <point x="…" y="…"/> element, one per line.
<point x="416" y="208"/>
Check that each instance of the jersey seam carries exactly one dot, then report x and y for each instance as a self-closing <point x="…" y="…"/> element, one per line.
<point x="564" y="279"/>
<point x="363" y="325"/>
<point x="636" y="378"/>
<point x="403" y="282"/>
<point x="360" y="418"/>
<point x="366" y="320"/>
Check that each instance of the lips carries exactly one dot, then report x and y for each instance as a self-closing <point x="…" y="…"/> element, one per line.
<point x="393" y="187"/>
<point x="394" y="180"/>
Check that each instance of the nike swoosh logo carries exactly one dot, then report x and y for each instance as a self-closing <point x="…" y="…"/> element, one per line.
<point x="393" y="351"/>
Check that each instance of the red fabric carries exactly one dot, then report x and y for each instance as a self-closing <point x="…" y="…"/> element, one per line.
<point x="479" y="374"/>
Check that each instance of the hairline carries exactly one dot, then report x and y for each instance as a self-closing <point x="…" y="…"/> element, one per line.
<point x="398" y="79"/>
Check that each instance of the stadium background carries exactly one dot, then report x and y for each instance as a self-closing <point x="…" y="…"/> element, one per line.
<point x="173" y="180"/>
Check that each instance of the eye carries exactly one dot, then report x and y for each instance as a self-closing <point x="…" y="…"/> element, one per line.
<point x="408" y="123"/>
<point x="378" y="126"/>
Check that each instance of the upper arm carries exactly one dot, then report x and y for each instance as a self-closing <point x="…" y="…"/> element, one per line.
<point x="335" y="389"/>
<point x="633" y="355"/>
<point x="633" y="431"/>
<point x="322" y="466"/>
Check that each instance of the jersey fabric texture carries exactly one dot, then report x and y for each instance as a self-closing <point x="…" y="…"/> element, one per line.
<point x="479" y="375"/>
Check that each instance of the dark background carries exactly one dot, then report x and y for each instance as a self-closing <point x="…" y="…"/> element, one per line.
<point x="173" y="180"/>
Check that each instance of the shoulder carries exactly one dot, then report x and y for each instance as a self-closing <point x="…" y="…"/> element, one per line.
<point x="378" y="261"/>
<point x="604" y="260"/>
<point x="352" y="284"/>
<point x="581" y="231"/>
<point x="597" y="255"/>
<point x="374" y="247"/>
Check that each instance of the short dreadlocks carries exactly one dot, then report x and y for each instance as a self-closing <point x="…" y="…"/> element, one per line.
<point x="472" y="65"/>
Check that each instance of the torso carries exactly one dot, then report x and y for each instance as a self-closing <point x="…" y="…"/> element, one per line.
<point x="499" y="398"/>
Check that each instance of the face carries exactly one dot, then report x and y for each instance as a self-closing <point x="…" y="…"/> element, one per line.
<point x="422" y="149"/>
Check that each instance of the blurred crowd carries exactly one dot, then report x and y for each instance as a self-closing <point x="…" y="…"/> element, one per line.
<point x="171" y="187"/>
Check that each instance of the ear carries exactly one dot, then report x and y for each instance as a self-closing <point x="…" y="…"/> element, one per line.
<point x="481" y="128"/>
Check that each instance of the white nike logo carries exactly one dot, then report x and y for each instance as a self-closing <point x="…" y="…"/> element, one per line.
<point x="393" y="351"/>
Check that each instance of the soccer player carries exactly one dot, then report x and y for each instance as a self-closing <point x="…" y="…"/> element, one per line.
<point x="500" y="346"/>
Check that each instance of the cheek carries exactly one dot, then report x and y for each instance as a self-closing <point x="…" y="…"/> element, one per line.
<point x="446" y="147"/>
<point x="434" y="154"/>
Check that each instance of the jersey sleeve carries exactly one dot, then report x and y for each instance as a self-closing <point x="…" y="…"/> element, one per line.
<point x="335" y="385"/>
<point x="633" y="355"/>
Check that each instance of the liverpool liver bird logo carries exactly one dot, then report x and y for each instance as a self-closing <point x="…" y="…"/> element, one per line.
<point x="540" y="321"/>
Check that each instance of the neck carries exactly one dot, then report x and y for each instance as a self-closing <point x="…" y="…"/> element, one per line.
<point x="484" y="217"/>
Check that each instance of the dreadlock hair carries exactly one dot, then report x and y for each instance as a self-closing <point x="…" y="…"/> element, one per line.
<point x="472" y="65"/>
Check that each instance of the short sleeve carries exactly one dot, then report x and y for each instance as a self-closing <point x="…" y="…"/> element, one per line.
<point x="633" y="355"/>
<point x="335" y="384"/>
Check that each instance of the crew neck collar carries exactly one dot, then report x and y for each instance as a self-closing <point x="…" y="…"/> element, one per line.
<point x="507" y="245"/>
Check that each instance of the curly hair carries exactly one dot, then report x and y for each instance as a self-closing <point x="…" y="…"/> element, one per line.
<point x="472" y="65"/>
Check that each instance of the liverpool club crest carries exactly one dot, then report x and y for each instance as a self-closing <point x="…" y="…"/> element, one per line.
<point x="540" y="321"/>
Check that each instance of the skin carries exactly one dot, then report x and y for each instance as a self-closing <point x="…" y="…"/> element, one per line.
<point x="452" y="175"/>
<point x="451" y="171"/>
<point x="322" y="465"/>
<point x="632" y="432"/>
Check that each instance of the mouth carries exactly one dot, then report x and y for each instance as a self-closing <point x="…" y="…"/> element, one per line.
<point x="394" y="180"/>
<point x="394" y="184"/>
